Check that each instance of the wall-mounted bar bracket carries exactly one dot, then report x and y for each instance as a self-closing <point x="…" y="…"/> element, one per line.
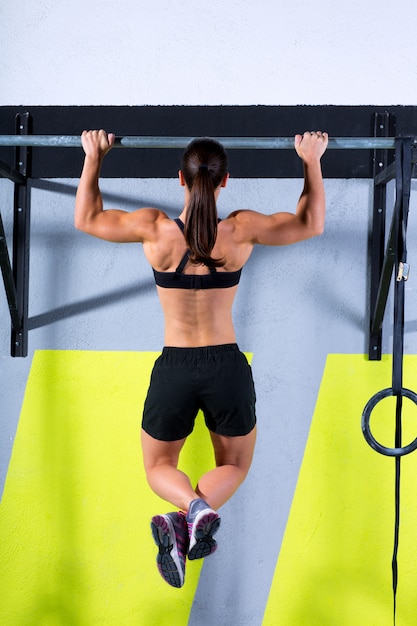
<point x="16" y="278"/>
<point x="8" y="279"/>
<point x="9" y="172"/>
<point x="384" y="124"/>
<point x="21" y="239"/>
<point x="382" y="265"/>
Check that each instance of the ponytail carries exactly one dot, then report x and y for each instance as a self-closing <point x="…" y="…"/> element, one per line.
<point x="204" y="166"/>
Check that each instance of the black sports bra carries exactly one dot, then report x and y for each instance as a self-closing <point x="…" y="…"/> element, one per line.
<point x="179" y="280"/>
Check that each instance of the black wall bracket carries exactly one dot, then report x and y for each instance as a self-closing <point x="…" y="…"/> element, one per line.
<point x="16" y="276"/>
<point x="386" y="257"/>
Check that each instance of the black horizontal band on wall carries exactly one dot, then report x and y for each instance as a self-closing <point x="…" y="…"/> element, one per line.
<point x="194" y="121"/>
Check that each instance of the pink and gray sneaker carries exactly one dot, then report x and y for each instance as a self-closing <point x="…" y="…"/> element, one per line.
<point x="202" y="523"/>
<point x="170" y="534"/>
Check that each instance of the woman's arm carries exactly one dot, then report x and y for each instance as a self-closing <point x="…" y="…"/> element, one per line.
<point x="112" y="224"/>
<point x="312" y="203"/>
<point x="308" y="220"/>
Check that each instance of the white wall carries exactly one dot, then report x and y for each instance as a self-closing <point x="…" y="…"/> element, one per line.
<point x="272" y="52"/>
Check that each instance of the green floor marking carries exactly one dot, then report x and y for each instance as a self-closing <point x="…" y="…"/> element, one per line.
<point x="334" y="567"/>
<point x="76" y="547"/>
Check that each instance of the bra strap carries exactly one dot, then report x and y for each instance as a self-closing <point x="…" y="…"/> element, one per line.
<point x="186" y="256"/>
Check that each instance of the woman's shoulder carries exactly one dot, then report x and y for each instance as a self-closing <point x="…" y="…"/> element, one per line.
<point x="150" y="223"/>
<point x="241" y="216"/>
<point x="234" y="236"/>
<point x="241" y="223"/>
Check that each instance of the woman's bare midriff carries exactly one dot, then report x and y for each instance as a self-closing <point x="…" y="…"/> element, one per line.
<point x="195" y="318"/>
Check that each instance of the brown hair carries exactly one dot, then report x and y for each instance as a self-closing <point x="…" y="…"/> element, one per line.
<point x="204" y="166"/>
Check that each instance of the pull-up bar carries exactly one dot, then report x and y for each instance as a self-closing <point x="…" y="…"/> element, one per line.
<point x="238" y="143"/>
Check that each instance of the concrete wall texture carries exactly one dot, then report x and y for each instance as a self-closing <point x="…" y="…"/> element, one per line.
<point x="296" y="304"/>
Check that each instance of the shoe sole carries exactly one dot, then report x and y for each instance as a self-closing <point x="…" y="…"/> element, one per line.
<point x="167" y="560"/>
<point x="205" y="525"/>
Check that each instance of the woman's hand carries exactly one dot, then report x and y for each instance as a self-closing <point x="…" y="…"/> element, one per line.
<point x="97" y="143"/>
<point x="311" y="146"/>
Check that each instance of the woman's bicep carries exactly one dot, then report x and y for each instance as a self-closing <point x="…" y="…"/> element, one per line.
<point x="281" y="229"/>
<point x="270" y="230"/>
<point x="119" y="226"/>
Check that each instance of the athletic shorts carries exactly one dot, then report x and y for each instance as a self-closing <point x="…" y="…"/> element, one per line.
<point x="216" y="379"/>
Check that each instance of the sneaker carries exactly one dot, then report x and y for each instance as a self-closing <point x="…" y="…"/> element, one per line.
<point x="202" y="523"/>
<point x="170" y="534"/>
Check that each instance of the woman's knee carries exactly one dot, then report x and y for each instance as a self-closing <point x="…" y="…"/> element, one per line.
<point x="156" y="452"/>
<point x="237" y="451"/>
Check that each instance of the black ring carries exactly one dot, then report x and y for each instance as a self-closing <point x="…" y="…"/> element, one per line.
<point x="366" y="429"/>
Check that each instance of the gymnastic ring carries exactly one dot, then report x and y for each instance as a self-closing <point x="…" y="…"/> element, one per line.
<point x="366" y="429"/>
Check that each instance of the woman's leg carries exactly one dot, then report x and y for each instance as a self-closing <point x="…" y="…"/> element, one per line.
<point x="233" y="459"/>
<point x="160" y="460"/>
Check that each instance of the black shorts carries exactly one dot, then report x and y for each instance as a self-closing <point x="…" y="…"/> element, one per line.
<point x="216" y="379"/>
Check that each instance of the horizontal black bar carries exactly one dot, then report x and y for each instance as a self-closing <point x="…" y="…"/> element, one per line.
<point x="197" y="121"/>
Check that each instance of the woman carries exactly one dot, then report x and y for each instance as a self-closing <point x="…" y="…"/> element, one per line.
<point x="197" y="260"/>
